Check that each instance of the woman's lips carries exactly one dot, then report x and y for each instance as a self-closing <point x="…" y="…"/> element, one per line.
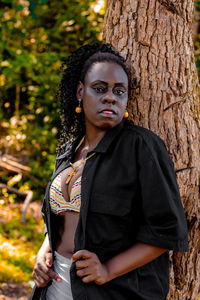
<point x="108" y="112"/>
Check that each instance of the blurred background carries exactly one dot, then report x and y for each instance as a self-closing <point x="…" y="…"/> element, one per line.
<point x="35" y="37"/>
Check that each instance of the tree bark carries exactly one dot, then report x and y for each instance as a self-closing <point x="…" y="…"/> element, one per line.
<point x="155" y="37"/>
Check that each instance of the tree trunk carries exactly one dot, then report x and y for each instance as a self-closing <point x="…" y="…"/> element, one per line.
<point x="155" y="38"/>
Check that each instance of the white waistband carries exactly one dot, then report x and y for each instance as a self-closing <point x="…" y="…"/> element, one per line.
<point x="60" y="290"/>
<point x="63" y="260"/>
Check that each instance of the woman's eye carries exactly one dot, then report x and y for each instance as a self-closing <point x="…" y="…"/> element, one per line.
<point x="119" y="92"/>
<point x="99" y="89"/>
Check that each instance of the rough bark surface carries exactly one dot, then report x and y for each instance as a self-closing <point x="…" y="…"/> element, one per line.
<point x="155" y="37"/>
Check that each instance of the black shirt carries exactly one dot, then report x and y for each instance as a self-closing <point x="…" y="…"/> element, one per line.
<point x="129" y="194"/>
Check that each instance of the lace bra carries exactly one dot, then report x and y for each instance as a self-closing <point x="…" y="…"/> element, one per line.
<point x="57" y="201"/>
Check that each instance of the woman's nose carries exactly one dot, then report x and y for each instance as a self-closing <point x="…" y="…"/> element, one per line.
<point x="109" y="98"/>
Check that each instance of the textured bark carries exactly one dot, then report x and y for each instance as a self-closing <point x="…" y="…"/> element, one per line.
<point x="155" y="37"/>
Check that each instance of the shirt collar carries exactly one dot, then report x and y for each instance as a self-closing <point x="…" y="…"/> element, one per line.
<point x="105" y="142"/>
<point x="102" y="146"/>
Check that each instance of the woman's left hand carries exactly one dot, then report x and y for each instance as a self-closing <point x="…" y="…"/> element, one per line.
<point x="89" y="267"/>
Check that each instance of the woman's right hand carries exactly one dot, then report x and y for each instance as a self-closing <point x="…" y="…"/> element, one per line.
<point x="42" y="272"/>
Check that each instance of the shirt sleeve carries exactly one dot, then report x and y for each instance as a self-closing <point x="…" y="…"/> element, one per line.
<point x="163" y="221"/>
<point x="45" y="228"/>
<point x="44" y="217"/>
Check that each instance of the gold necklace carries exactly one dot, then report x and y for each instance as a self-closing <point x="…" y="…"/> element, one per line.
<point x="73" y="172"/>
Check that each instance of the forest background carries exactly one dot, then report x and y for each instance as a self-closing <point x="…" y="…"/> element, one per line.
<point x="35" y="37"/>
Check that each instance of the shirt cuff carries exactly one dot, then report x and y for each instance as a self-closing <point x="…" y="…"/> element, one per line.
<point x="148" y="236"/>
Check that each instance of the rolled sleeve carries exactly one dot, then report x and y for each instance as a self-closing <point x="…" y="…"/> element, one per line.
<point x="163" y="223"/>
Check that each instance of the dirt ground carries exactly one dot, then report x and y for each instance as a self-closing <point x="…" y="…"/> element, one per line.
<point x="14" y="291"/>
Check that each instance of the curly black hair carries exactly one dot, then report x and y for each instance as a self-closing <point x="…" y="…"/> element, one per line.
<point x="74" y="69"/>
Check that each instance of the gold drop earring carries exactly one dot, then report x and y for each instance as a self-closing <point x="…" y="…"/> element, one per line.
<point x="126" y="114"/>
<point x="78" y="109"/>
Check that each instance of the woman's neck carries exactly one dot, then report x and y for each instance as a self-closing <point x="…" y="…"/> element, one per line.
<point x="93" y="137"/>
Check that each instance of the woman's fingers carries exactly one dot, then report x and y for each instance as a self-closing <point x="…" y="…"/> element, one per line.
<point x="41" y="267"/>
<point x="83" y="272"/>
<point x="54" y="275"/>
<point x="80" y="264"/>
<point x="48" y="259"/>
<point x="82" y="254"/>
<point x="40" y="282"/>
<point x="89" y="267"/>
<point x="41" y="274"/>
<point x="88" y="279"/>
<point x="41" y="279"/>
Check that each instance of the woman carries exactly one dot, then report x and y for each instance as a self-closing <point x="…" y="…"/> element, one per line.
<point x="112" y="208"/>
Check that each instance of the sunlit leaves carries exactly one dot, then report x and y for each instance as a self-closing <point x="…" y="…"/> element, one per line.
<point x="18" y="244"/>
<point x="35" y="35"/>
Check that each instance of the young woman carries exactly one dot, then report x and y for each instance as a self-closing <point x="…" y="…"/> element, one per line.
<point x="112" y="208"/>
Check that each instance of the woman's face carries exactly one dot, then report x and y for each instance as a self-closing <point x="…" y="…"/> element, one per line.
<point x="104" y="94"/>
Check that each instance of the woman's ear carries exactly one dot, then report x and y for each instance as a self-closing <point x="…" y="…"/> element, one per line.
<point x="80" y="90"/>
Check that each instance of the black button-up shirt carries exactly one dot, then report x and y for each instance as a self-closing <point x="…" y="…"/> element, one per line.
<point x="129" y="194"/>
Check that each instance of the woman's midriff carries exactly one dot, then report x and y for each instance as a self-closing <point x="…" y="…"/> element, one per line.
<point x="65" y="242"/>
<point x="65" y="245"/>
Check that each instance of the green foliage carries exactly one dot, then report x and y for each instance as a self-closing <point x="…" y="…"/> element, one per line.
<point x="19" y="244"/>
<point x="35" y="36"/>
<point x="16" y="229"/>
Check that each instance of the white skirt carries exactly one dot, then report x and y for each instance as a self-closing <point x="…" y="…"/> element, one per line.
<point x="60" y="290"/>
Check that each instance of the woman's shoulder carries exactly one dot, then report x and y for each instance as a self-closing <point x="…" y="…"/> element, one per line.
<point x="146" y="141"/>
<point x="144" y="134"/>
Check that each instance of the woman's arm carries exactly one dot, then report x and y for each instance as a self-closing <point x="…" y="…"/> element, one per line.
<point x="42" y="271"/>
<point x="91" y="269"/>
